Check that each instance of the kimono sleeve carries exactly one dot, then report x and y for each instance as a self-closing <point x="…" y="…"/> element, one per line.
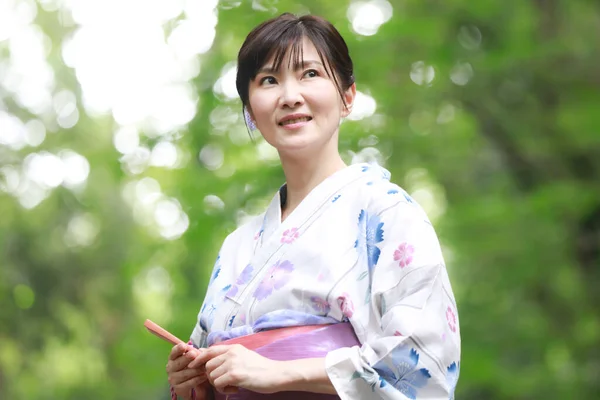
<point x="200" y="331"/>
<point x="410" y="337"/>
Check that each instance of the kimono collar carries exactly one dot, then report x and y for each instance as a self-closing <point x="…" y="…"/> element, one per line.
<point x="317" y="196"/>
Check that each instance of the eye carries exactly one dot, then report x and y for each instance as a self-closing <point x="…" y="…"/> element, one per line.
<point x="268" y="80"/>
<point x="311" y="73"/>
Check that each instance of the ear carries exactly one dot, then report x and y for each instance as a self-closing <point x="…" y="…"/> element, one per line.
<point x="349" y="96"/>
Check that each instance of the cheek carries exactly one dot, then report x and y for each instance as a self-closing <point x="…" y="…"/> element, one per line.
<point x="261" y="107"/>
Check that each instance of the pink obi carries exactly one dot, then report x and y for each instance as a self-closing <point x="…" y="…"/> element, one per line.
<point x="312" y="341"/>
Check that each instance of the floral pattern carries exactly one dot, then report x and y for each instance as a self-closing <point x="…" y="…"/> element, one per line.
<point x="276" y="277"/>
<point x="290" y="235"/>
<point x="452" y="377"/>
<point x="293" y="277"/>
<point x="451" y="318"/>
<point x="403" y="373"/>
<point x="209" y="307"/>
<point x="404" y="254"/>
<point x="346" y="305"/>
<point x="370" y="233"/>
<point x="216" y="270"/>
<point x="320" y="305"/>
<point x="244" y="278"/>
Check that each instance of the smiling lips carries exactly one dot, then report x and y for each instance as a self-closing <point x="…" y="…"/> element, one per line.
<point x="294" y="120"/>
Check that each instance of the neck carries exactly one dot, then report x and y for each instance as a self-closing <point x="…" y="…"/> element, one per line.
<point x="304" y="174"/>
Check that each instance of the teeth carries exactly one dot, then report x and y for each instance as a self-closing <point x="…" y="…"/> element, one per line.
<point x="295" y="121"/>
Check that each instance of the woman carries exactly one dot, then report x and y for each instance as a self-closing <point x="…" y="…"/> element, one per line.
<point x="341" y="253"/>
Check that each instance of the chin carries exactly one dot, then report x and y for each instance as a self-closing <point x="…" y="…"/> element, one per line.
<point x="298" y="148"/>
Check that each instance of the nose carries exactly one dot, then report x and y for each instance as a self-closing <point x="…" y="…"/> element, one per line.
<point x="291" y="94"/>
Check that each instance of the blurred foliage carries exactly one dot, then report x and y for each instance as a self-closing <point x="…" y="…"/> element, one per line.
<point x="488" y="112"/>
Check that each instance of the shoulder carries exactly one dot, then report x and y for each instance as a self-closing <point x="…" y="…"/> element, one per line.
<point x="381" y="195"/>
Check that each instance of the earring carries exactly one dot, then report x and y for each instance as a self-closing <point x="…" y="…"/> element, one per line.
<point x="249" y="122"/>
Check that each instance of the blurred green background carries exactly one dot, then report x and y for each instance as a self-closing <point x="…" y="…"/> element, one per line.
<point x="124" y="162"/>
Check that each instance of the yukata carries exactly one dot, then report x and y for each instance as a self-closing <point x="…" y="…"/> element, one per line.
<point x="360" y="250"/>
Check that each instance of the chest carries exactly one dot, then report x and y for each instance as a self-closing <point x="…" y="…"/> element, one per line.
<point x="305" y="268"/>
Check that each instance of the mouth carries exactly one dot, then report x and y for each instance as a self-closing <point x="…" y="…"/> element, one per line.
<point x="294" y="120"/>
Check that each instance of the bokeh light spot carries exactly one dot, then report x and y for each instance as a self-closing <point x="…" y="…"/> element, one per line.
<point x="24" y="296"/>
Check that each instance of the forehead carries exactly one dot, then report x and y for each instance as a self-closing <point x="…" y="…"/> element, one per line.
<point x="295" y="55"/>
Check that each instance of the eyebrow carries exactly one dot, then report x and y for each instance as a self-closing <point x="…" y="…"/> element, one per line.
<point x="297" y="66"/>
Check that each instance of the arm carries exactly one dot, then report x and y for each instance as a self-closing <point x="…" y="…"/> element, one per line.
<point x="306" y="375"/>
<point x="410" y="338"/>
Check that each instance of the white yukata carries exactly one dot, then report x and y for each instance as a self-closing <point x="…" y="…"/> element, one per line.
<point x="357" y="249"/>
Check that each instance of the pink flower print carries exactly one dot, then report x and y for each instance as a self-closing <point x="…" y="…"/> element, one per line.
<point x="346" y="305"/>
<point x="404" y="254"/>
<point x="397" y="333"/>
<point x="319" y="304"/>
<point x="276" y="277"/>
<point x="290" y="235"/>
<point x="451" y="318"/>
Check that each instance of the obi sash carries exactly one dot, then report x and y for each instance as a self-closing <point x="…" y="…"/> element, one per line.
<point x="284" y="344"/>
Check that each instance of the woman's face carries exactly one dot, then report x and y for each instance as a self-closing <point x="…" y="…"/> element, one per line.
<point x="298" y="108"/>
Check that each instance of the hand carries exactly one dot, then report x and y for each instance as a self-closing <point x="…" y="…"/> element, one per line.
<point x="184" y="379"/>
<point x="229" y="367"/>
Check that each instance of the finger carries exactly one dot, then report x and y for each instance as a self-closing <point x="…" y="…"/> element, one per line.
<point x="211" y="365"/>
<point x="192" y="353"/>
<point x="198" y="360"/>
<point x="215" y="374"/>
<point x="177" y="378"/>
<point x="184" y="360"/>
<point x="189" y="384"/>
<point x="225" y="384"/>
<point x="177" y="351"/>
<point x="178" y="364"/>
<point x="208" y="354"/>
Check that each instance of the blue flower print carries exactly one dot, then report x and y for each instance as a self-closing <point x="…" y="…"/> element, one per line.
<point x="370" y="232"/>
<point x="403" y="374"/>
<point x="216" y="270"/>
<point x="207" y="316"/>
<point x="336" y="198"/>
<point x="207" y="312"/>
<point x="392" y="191"/>
<point x="452" y="377"/>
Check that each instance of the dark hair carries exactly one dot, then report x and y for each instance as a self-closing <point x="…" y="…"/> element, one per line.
<point x="275" y="37"/>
